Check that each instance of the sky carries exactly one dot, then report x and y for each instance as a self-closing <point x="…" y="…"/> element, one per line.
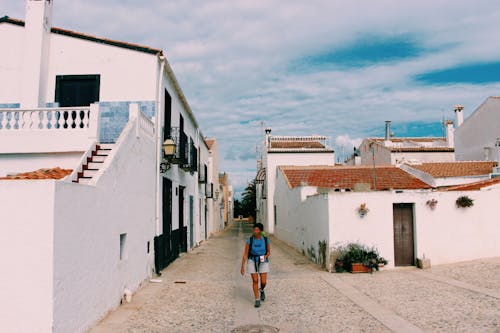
<point x="328" y="67"/>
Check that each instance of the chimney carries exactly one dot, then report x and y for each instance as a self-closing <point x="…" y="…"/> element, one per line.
<point x="387" y="132"/>
<point x="450" y="134"/>
<point x="268" y="137"/>
<point x="36" y="52"/>
<point x="459" y="116"/>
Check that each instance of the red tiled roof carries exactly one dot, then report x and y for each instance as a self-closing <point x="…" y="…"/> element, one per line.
<point x="422" y="149"/>
<point x="342" y="177"/>
<point x="296" y="144"/>
<point x="416" y="139"/>
<point x="456" y="169"/>
<point x="476" y="186"/>
<point x="210" y="142"/>
<point x="53" y="173"/>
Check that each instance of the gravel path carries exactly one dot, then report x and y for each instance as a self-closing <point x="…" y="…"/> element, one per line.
<point x="204" y="292"/>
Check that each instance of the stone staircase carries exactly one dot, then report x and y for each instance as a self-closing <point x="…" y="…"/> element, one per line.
<point x="94" y="163"/>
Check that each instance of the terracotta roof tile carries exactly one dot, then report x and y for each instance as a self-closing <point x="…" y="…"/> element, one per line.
<point x="474" y="186"/>
<point x="342" y="177"/>
<point x="456" y="169"/>
<point x="52" y="173"/>
<point x="296" y="144"/>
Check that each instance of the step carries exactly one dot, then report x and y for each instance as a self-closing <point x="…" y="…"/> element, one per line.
<point x="89" y="173"/>
<point x="106" y="146"/>
<point x="94" y="165"/>
<point x="84" y="180"/>
<point x="98" y="158"/>
<point x="103" y="152"/>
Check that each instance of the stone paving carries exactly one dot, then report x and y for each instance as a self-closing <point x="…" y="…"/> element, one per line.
<point x="204" y="292"/>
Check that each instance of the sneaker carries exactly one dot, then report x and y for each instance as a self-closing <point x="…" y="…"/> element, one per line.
<point x="257" y="303"/>
<point x="262" y="295"/>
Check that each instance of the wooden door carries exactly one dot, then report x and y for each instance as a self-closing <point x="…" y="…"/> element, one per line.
<point x="403" y="235"/>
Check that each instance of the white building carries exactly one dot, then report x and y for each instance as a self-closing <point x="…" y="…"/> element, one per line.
<point x="214" y="197"/>
<point x="100" y="109"/>
<point x="390" y="150"/>
<point x="478" y="137"/>
<point x="285" y="150"/>
<point x="406" y="218"/>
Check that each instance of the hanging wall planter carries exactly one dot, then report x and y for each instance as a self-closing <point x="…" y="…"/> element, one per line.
<point x="432" y="203"/>
<point x="363" y="210"/>
<point x="464" y="202"/>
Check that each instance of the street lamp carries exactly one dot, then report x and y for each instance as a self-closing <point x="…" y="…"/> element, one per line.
<point x="169" y="148"/>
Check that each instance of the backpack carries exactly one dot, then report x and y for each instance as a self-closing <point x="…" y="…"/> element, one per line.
<point x="251" y="244"/>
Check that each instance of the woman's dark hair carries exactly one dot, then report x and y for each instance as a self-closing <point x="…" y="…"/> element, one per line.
<point x="259" y="225"/>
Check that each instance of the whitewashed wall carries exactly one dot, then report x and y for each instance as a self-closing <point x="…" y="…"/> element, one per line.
<point x="89" y="277"/>
<point x="302" y="216"/>
<point x="273" y="160"/>
<point x="445" y="235"/>
<point x="26" y="249"/>
<point x="479" y="130"/>
<point x="423" y="157"/>
<point x="17" y="163"/>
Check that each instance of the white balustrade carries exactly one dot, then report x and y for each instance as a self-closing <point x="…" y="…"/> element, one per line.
<point x="143" y="126"/>
<point x="46" y="119"/>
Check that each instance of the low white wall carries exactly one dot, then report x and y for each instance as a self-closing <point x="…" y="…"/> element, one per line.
<point x="446" y="234"/>
<point x="89" y="276"/>
<point x="17" y="163"/>
<point x="26" y="251"/>
<point x="301" y="224"/>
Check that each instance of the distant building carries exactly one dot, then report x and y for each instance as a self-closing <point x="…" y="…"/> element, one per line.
<point x="227" y="203"/>
<point x="285" y="150"/>
<point x="478" y="137"/>
<point x="214" y="200"/>
<point x="391" y="151"/>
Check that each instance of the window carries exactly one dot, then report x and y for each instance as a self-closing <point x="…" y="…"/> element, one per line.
<point x="167" y="115"/>
<point x="275" y="216"/>
<point x="123" y="246"/>
<point x="77" y="90"/>
<point x="148" y="247"/>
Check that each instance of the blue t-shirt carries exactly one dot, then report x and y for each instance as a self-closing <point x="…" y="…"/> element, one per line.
<point x="258" y="246"/>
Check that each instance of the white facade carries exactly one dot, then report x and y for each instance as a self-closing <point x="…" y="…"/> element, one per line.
<point x="476" y="138"/>
<point x="445" y="234"/>
<point x="274" y="157"/>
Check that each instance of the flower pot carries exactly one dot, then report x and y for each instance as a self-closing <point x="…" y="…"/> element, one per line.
<point x="360" y="268"/>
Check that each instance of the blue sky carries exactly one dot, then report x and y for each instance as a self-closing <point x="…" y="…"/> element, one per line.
<point x="330" y="67"/>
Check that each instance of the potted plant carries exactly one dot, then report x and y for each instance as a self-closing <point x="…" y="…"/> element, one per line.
<point x="358" y="258"/>
<point x="464" y="202"/>
<point x="363" y="210"/>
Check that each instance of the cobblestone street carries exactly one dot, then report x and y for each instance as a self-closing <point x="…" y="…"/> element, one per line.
<point x="203" y="291"/>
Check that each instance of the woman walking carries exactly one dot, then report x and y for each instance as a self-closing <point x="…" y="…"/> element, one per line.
<point x="256" y="256"/>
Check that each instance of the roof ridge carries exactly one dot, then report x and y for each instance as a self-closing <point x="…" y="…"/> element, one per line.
<point x="92" y="38"/>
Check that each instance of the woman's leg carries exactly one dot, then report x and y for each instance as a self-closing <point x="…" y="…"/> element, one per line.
<point x="263" y="280"/>
<point x="255" y="281"/>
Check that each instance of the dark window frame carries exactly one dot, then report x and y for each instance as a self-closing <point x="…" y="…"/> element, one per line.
<point x="61" y="78"/>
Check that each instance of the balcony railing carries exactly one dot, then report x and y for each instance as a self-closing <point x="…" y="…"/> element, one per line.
<point x="48" y="129"/>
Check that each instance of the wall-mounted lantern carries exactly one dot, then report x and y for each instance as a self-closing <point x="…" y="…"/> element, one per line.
<point x="169" y="150"/>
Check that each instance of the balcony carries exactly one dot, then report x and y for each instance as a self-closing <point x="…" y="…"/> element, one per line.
<point x="48" y="129"/>
<point x="186" y="155"/>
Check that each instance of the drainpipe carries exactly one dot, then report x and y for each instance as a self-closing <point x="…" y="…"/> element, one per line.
<point x="158" y="147"/>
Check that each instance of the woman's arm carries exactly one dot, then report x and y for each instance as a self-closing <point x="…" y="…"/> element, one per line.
<point x="244" y="259"/>
<point x="268" y="248"/>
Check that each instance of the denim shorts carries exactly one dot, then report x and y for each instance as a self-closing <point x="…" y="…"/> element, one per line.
<point x="262" y="267"/>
